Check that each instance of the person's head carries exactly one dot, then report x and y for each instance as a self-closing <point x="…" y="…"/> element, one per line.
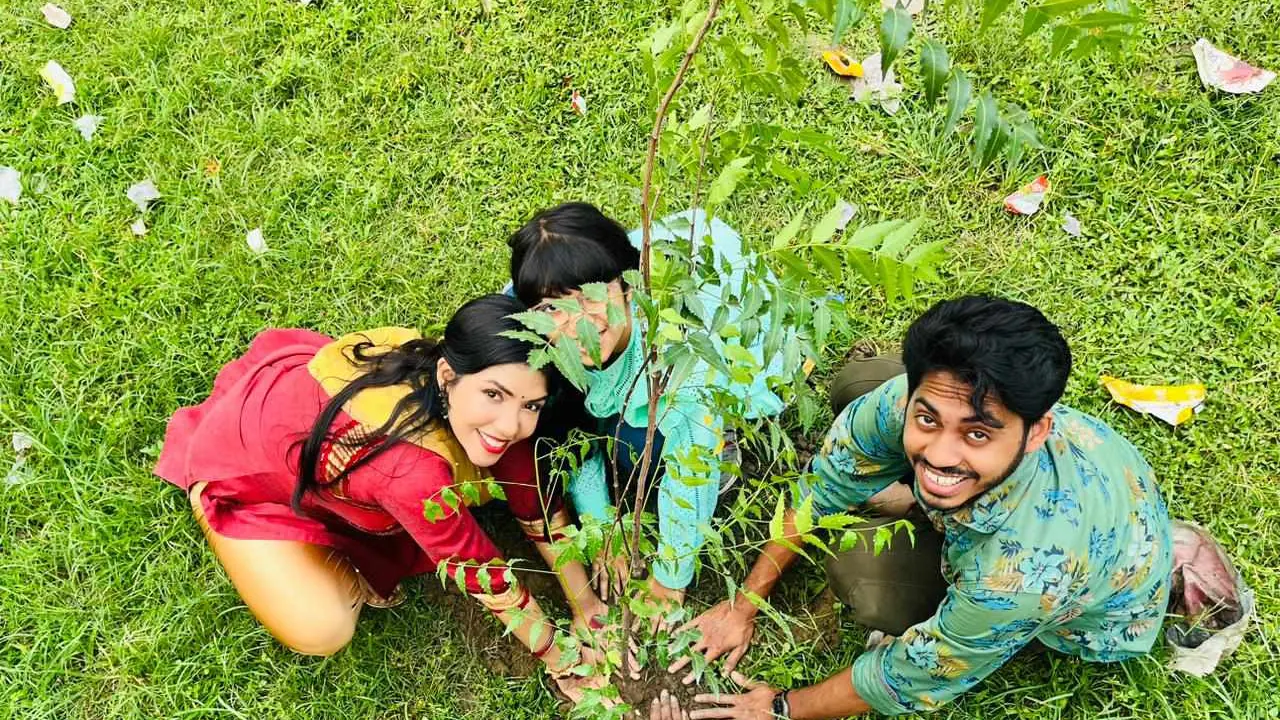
<point x="982" y="376"/>
<point x="473" y="380"/>
<point x="568" y="246"/>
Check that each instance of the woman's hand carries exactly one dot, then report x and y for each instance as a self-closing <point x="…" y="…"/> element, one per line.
<point x="575" y="688"/>
<point x="609" y="575"/>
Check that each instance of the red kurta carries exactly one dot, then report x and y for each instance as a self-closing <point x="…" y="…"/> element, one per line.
<point x="244" y="441"/>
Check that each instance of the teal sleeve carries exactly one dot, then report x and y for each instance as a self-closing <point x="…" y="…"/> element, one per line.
<point x="972" y="634"/>
<point x="588" y="489"/>
<point x="686" y="495"/>
<point x="862" y="453"/>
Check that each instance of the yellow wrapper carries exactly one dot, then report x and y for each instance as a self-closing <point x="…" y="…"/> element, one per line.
<point x="1174" y="404"/>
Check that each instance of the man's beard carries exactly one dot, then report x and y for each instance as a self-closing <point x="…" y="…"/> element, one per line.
<point x="1009" y="471"/>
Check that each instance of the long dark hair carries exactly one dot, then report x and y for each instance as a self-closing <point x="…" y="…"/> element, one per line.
<point x="563" y="248"/>
<point x="472" y="342"/>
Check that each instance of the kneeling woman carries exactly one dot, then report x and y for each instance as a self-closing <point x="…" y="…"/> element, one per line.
<point x="324" y="472"/>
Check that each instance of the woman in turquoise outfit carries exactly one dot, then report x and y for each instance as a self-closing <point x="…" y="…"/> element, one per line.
<point x="553" y="256"/>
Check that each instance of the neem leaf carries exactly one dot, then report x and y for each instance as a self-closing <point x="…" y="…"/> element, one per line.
<point x="959" y="94"/>
<point x="895" y="30"/>
<point x="935" y="65"/>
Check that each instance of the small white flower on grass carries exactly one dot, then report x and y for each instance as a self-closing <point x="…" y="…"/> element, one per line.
<point x="88" y="125"/>
<point x="56" y="16"/>
<point x="143" y="194"/>
<point x="137" y="227"/>
<point x="60" y="81"/>
<point x="579" y="103"/>
<point x="1071" y="226"/>
<point x="22" y="442"/>
<point x="10" y="185"/>
<point x="255" y="241"/>
<point x="877" y="86"/>
<point x="1229" y="74"/>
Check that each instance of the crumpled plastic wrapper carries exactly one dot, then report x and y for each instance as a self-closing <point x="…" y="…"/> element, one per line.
<point x="10" y="185"/>
<point x="63" y="86"/>
<point x="56" y="16"/>
<point x="1174" y="404"/>
<point x="1029" y="198"/>
<point x="1210" y="599"/>
<point x="1229" y="74"/>
<point x="143" y="194"/>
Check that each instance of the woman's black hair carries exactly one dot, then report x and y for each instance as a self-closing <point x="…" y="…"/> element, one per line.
<point x="472" y="342"/>
<point x="1003" y="350"/>
<point x="565" y="247"/>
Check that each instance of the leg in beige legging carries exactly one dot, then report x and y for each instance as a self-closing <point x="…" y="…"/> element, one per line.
<point x="307" y="596"/>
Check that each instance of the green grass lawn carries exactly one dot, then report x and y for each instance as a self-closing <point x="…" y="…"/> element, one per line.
<point x="387" y="149"/>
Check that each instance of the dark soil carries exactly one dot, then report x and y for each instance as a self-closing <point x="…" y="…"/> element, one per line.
<point x="506" y="656"/>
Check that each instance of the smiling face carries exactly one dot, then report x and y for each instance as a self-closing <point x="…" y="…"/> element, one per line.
<point x="491" y="409"/>
<point x="613" y="338"/>
<point x="957" y="454"/>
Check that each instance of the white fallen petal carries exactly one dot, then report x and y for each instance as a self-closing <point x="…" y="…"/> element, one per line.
<point x="10" y="185"/>
<point x="256" y="242"/>
<point x="1071" y="226"/>
<point x="1229" y="74"/>
<point x="88" y="125"/>
<point x="22" y="442"/>
<point x="56" y="16"/>
<point x="137" y="227"/>
<point x="915" y="7"/>
<point x="60" y="81"/>
<point x="143" y="194"/>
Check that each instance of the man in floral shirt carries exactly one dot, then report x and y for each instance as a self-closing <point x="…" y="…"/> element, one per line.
<point x="1053" y="528"/>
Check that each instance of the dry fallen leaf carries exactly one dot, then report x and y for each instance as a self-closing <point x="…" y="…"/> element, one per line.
<point x="143" y="194"/>
<point x="1028" y="199"/>
<point x="60" y="81"/>
<point x="137" y="227"/>
<point x="1229" y="74"/>
<point x="255" y="241"/>
<point x="10" y="185"/>
<point x="88" y="125"/>
<point x="56" y="16"/>
<point x="579" y="103"/>
<point x="212" y="167"/>
<point x="877" y="86"/>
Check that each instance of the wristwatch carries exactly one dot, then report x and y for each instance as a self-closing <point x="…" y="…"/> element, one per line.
<point x="782" y="708"/>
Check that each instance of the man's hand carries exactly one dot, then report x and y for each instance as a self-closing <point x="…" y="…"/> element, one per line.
<point x="755" y="704"/>
<point x="726" y="628"/>
<point x="666" y="707"/>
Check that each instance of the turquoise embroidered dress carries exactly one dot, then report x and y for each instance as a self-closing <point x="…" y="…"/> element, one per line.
<point x="686" y="422"/>
<point x="1074" y="550"/>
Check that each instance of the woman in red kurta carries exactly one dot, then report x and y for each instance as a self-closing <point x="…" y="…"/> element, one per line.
<point x="324" y="472"/>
